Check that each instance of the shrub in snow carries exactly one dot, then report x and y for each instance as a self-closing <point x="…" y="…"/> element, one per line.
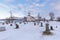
<point x="2" y="29"/>
<point x="47" y="31"/>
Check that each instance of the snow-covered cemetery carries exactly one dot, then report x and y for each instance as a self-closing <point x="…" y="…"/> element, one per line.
<point x="29" y="19"/>
<point x="30" y="28"/>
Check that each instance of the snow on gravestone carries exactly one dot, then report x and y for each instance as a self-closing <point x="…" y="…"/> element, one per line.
<point x="2" y="29"/>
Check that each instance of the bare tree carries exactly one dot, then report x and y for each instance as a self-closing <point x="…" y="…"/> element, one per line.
<point x="39" y="17"/>
<point x="51" y="14"/>
<point x="58" y="18"/>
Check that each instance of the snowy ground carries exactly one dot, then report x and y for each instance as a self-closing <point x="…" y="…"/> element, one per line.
<point x="29" y="32"/>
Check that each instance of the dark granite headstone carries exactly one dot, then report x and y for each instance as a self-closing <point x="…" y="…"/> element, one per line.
<point x="17" y="26"/>
<point x="34" y="23"/>
<point x="10" y="24"/>
<point x="51" y="28"/>
<point x="41" y="24"/>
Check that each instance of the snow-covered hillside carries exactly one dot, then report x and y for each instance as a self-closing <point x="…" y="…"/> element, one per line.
<point x="29" y="32"/>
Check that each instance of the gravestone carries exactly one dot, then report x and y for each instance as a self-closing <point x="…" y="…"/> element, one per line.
<point x="24" y="23"/>
<point x="10" y="24"/>
<point x="47" y="30"/>
<point x="34" y="23"/>
<point x="41" y="24"/>
<point x="17" y="26"/>
<point x="47" y="27"/>
<point x="56" y="26"/>
<point x="2" y="29"/>
<point x="3" y="23"/>
<point x="51" y="28"/>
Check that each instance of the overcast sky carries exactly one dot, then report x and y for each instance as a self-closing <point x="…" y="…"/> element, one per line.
<point x="20" y="8"/>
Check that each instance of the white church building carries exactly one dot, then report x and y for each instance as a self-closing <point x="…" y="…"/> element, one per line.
<point x="30" y="18"/>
